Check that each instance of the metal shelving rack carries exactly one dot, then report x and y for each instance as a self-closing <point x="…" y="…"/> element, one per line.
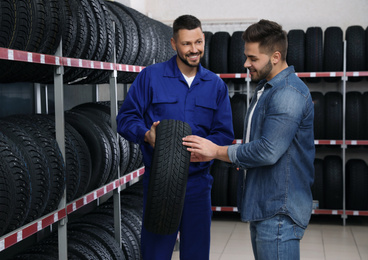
<point x="60" y="215"/>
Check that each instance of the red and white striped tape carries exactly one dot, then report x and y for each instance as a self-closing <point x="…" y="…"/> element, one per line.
<point x="18" y="235"/>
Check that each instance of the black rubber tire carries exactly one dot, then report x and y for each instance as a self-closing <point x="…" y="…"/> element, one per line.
<point x="355" y="50"/>
<point x="232" y="190"/>
<point x="239" y="109"/>
<point x="111" y="137"/>
<point x="111" y="247"/>
<point x="365" y="115"/>
<point x="333" y="115"/>
<point x="219" y="52"/>
<point x="296" y="48"/>
<point x="356" y="185"/>
<point x="219" y="192"/>
<point x="55" y="161"/>
<point x="98" y="146"/>
<point x="333" y="182"/>
<point x="354" y="116"/>
<point x="236" y="55"/>
<point x="135" y="157"/>
<point x="333" y="52"/>
<point x="319" y="115"/>
<point x="37" y="166"/>
<point x="168" y="178"/>
<point x="318" y="185"/>
<point x="314" y="52"/>
<point x="205" y="61"/>
<point x="7" y="199"/>
<point x="17" y="173"/>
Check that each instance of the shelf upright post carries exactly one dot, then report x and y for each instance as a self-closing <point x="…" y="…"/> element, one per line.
<point x="60" y="138"/>
<point x="343" y="146"/>
<point x="113" y="112"/>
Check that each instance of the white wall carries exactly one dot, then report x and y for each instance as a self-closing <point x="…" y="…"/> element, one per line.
<point x="292" y="14"/>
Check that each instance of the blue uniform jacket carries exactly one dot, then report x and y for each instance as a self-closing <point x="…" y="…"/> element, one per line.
<point x="161" y="92"/>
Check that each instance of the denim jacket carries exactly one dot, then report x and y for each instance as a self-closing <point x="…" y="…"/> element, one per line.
<point x="279" y="156"/>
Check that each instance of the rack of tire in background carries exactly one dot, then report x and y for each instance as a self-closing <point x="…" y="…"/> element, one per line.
<point x="326" y="62"/>
<point x="70" y="172"/>
<point x="30" y="51"/>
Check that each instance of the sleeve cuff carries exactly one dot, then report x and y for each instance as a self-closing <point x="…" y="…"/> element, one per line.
<point x="231" y="152"/>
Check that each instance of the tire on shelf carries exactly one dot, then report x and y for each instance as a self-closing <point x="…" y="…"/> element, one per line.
<point x="135" y="157"/>
<point x="354" y="116"/>
<point x="365" y="115"/>
<point x="112" y="139"/>
<point x="219" y="52"/>
<point x="98" y="146"/>
<point x="110" y="245"/>
<point x="36" y="164"/>
<point x="17" y="173"/>
<point x="296" y="48"/>
<point x="239" y="109"/>
<point x="205" y="61"/>
<point x="7" y="198"/>
<point x="355" y="50"/>
<point x="333" y="52"/>
<point x="333" y="115"/>
<point x="319" y="115"/>
<point x="333" y="182"/>
<point x="236" y="57"/>
<point x="313" y="52"/>
<point x="219" y="192"/>
<point x="55" y="161"/>
<point x="356" y="185"/>
<point x="318" y="185"/>
<point x="168" y="178"/>
<point x="232" y="190"/>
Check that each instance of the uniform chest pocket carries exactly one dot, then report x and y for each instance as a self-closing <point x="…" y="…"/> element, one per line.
<point x="204" y="112"/>
<point x="165" y="107"/>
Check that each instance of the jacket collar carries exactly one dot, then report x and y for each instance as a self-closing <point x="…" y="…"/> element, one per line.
<point x="172" y="70"/>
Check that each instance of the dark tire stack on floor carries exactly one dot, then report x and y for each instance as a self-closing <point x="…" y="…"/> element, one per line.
<point x="91" y="236"/>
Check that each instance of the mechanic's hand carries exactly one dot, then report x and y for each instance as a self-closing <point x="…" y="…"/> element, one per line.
<point x="150" y="135"/>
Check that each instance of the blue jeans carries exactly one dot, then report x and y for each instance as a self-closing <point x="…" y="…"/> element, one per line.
<point x="276" y="238"/>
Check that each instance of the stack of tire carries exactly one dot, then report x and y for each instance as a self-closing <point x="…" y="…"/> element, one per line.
<point x="33" y="174"/>
<point x="328" y="184"/>
<point x="328" y="115"/>
<point x="309" y="51"/>
<point x="87" y="32"/>
<point x="92" y="235"/>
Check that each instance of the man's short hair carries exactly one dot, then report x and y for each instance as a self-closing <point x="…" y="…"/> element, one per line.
<point x="270" y="36"/>
<point x="188" y="22"/>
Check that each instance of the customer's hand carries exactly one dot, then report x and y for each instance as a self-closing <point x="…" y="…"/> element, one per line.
<point x="150" y="135"/>
<point x="202" y="150"/>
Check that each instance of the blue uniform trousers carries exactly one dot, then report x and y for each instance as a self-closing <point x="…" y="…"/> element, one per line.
<point x="194" y="227"/>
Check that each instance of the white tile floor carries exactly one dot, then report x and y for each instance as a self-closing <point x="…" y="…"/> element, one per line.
<point x="325" y="239"/>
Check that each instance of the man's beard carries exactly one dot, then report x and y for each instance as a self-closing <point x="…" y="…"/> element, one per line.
<point x="186" y="62"/>
<point x="263" y="73"/>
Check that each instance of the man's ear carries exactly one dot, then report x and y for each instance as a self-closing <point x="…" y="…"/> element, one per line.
<point x="173" y="44"/>
<point x="276" y="57"/>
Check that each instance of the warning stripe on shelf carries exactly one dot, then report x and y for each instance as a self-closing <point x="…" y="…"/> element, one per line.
<point x="30" y="229"/>
<point x="18" y="235"/>
<point x="32" y="57"/>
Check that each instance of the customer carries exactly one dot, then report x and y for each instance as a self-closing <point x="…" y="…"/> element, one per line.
<point x="278" y="149"/>
<point x="180" y="89"/>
